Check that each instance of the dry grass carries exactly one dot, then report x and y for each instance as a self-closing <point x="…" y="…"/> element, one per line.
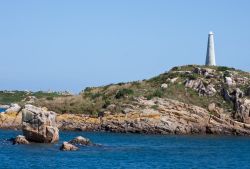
<point x="95" y="100"/>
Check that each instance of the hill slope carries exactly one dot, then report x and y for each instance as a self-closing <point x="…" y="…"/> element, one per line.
<point x="185" y="100"/>
<point x="192" y="84"/>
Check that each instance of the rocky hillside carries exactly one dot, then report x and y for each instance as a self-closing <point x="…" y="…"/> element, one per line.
<point x="184" y="100"/>
<point x="157" y="116"/>
<point x="225" y="88"/>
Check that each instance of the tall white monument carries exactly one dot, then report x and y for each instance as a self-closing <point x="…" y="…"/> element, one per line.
<point x="210" y="59"/>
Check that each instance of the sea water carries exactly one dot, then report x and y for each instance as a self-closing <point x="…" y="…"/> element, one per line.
<point x="129" y="151"/>
<point x="2" y="110"/>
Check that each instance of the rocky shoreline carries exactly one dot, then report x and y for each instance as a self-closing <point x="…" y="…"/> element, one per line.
<point x="155" y="116"/>
<point x="188" y="99"/>
<point x="39" y="126"/>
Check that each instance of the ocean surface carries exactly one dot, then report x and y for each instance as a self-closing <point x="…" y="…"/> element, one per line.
<point x="129" y="151"/>
<point x="2" y="110"/>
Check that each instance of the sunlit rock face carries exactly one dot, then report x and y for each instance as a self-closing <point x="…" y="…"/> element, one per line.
<point x="39" y="125"/>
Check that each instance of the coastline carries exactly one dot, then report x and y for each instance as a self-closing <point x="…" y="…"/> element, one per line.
<point x="172" y="117"/>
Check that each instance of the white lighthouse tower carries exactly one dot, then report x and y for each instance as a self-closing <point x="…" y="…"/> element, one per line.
<point x="210" y="59"/>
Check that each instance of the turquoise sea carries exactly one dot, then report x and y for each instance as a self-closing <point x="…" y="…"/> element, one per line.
<point x="129" y="151"/>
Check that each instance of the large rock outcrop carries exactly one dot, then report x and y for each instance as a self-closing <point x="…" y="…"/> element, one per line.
<point x="39" y="125"/>
<point x="241" y="104"/>
<point x="161" y="116"/>
<point x="164" y="116"/>
<point x="243" y="110"/>
<point x="207" y="72"/>
<point x="199" y="86"/>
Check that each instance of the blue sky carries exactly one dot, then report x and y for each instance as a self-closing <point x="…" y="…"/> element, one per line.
<point x="69" y="45"/>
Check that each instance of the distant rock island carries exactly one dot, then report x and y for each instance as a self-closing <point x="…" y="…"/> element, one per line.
<point x="188" y="99"/>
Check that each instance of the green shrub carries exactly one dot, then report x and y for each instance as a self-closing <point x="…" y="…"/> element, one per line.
<point x="96" y="95"/>
<point x="49" y="98"/>
<point x="136" y="83"/>
<point x="156" y="93"/>
<point x="94" y="113"/>
<point x="87" y="89"/>
<point x="192" y="76"/>
<point x="106" y="104"/>
<point x="246" y="90"/>
<point x="155" y="79"/>
<point x="123" y="92"/>
<point x="155" y="107"/>
<point x="172" y="75"/>
<point x="176" y="68"/>
<point x="226" y="74"/>
<point x="121" y="83"/>
<point x="224" y="68"/>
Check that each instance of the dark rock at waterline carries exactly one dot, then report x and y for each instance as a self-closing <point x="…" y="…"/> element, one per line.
<point x="68" y="147"/>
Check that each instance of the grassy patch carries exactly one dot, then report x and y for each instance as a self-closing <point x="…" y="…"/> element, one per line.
<point x="12" y="97"/>
<point x="155" y="107"/>
<point x="123" y="92"/>
<point x="224" y="68"/>
<point x="19" y="96"/>
<point x="156" y="93"/>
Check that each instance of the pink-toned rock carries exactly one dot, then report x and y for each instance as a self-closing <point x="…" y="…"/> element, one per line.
<point x="81" y="141"/>
<point x="20" y="140"/>
<point x="211" y="107"/>
<point x="39" y="125"/>
<point x="68" y="147"/>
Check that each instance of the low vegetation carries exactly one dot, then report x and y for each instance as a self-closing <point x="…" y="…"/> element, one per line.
<point x="94" y="100"/>
<point x="8" y="97"/>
